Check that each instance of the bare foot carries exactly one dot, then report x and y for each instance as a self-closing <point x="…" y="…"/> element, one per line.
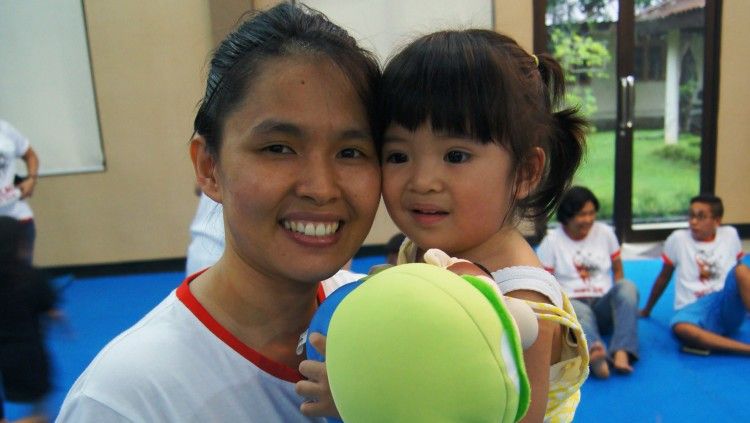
<point x="598" y="361"/>
<point x="622" y="362"/>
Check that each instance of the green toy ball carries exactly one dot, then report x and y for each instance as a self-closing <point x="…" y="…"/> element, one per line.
<point x="418" y="343"/>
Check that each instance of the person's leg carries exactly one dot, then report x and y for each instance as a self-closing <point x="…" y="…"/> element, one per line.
<point x="732" y="307"/>
<point x="697" y="337"/>
<point x="2" y="400"/>
<point x="619" y="310"/>
<point x="705" y="323"/>
<point x="28" y="237"/>
<point x="587" y="318"/>
<point x="597" y="350"/>
<point x="742" y="274"/>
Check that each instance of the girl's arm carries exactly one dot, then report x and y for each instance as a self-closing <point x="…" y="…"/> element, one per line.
<point x="539" y="357"/>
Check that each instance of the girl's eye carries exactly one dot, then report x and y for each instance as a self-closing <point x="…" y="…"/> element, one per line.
<point x="396" y="158"/>
<point x="456" y="156"/>
<point x="278" y="149"/>
<point x="350" y="153"/>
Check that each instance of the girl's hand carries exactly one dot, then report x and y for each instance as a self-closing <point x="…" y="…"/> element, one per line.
<point x="319" y="401"/>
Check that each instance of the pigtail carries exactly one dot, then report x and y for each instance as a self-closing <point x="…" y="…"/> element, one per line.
<point x="553" y="80"/>
<point x="567" y="141"/>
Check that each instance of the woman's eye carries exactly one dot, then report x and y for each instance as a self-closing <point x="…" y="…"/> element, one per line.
<point x="278" y="149"/>
<point x="396" y="158"/>
<point x="456" y="156"/>
<point x="350" y="153"/>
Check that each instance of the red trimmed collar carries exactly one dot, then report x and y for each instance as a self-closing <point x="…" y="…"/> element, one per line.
<point x="272" y="367"/>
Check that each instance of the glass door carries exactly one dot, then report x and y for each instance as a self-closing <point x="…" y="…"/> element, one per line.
<point x="636" y="68"/>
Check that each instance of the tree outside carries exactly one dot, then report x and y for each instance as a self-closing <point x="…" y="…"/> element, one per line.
<point x="582" y="37"/>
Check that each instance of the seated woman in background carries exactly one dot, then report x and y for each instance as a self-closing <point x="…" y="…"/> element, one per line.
<point x="584" y="256"/>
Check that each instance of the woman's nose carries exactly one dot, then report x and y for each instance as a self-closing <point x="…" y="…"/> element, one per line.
<point x="318" y="181"/>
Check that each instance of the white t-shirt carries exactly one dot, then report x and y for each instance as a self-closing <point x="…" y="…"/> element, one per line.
<point x="13" y="145"/>
<point x="206" y="236"/>
<point x="701" y="266"/>
<point x="584" y="267"/>
<point x="178" y="364"/>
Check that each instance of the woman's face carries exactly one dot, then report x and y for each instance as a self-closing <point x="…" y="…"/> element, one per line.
<point x="297" y="171"/>
<point x="579" y="226"/>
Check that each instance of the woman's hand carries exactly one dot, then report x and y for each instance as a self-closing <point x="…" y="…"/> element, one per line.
<point x="27" y="187"/>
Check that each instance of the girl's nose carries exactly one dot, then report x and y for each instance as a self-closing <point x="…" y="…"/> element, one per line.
<point x="425" y="178"/>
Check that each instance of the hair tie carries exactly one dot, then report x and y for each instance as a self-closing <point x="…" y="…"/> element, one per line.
<point x="536" y="60"/>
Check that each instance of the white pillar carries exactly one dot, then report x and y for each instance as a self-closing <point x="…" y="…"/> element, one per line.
<point x="672" y="88"/>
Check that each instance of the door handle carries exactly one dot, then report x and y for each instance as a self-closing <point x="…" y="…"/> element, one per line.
<point x="627" y="101"/>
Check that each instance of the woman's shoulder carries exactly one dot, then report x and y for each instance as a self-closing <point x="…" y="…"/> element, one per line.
<point x="602" y="228"/>
<point x="149" y="344"/>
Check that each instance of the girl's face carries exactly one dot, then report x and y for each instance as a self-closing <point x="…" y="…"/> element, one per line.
<point x="297" y="173"/>
<point x="444" y="191"/>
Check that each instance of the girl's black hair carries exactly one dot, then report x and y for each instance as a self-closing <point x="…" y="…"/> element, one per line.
<point x="482" y="84"/>
<point x="285" y="30"/>
<point x="573" y="201"/>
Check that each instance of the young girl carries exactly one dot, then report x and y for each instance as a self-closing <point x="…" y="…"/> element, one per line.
<point x="283" y="141"/>
<point x="471" y="144"/>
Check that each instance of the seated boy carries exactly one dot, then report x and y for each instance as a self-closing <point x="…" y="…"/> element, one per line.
<point x="712" y="293"/>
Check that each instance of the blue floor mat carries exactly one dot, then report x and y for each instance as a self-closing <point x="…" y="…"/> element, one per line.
<point x="667" y="385"/>
<point x="96" y="310"/>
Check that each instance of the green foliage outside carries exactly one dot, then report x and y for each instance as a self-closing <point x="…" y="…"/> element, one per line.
<point x="580" y="56"/>
<point x="664" y="176"/>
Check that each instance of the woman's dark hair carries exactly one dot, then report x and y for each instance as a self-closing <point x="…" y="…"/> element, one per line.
<point x="573" y="201"/>
<point x="285" y="30"/>
<point x="482" y="84"/>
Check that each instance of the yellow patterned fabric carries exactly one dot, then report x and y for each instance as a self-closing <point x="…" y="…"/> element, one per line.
<point x="567" y="376"/>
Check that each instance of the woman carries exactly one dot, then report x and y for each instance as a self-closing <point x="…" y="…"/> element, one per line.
<point x="283" y="141"/>
<point x="14" y="194"/>
<point x="584" y="256"/>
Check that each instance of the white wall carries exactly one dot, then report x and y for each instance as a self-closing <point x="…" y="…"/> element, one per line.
<point x="46" y="89"/>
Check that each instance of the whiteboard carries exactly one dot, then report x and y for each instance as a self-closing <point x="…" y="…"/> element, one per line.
<point x="384" y="26"/>
<point x="46" y="88"/>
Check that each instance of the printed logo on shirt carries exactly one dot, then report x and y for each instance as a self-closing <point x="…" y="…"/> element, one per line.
<point x="586" y="265"/>
<point x="708" y="266"/>
<point x="9" y="195"/>
<point x="4" y="163"/>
